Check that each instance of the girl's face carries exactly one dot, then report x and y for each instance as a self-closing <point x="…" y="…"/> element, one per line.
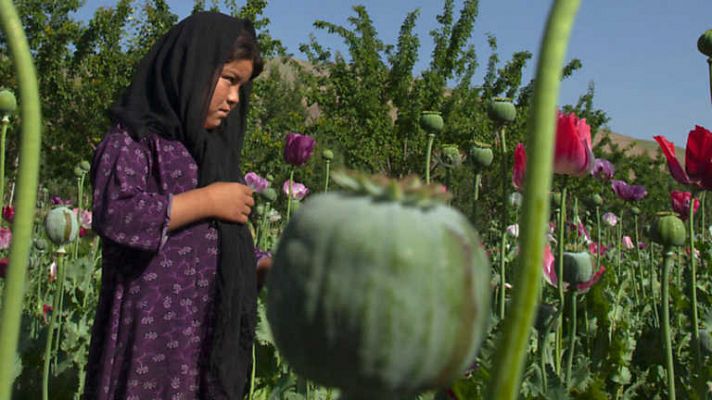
<point x="226" y="94"/>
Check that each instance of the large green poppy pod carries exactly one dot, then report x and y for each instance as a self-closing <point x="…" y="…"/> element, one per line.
<point x="704" y="43"/>
<point x="431" y="121"/>
<point x="668" y="230"/>
<point x="8" y="103"/>
<point x="327" y="154"/>
<point x="481" y="156"/>
<point x="577" y="268"/>
<point x="501" y="110"/>
<point x="381" y="293"/>
<point x="61" y="225"/>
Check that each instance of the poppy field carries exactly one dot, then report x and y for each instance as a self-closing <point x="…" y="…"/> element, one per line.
<point x="538" y="263"/>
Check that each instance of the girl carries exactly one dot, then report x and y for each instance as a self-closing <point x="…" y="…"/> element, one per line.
<point x="177" y="308"/>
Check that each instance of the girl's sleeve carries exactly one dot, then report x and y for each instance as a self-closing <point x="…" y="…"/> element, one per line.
<point x="124" y="211"/>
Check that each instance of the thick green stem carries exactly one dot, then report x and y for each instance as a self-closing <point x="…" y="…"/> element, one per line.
<point x="572" y="336"/>
<point x="289" y="194"/>
<point x="27" y="178"/>
<point x="709" y="64"/>
<point x="428" y="152"/>
<point x="699" y="385"/>
<point x="326" y="180"/>
<point x="653" y="280"/>
<point x="512" y="348"/>
<point x="598" y="237"/>
<point x="558" y="349"/>
<point x="476" y="198"/>
<point x="667" y="264"/>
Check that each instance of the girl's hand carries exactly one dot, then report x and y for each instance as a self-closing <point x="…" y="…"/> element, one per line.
<point x="230" y="201"/>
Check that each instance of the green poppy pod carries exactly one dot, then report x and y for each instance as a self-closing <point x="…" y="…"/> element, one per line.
<point x="481" y="156"/>
<point x="380" y="297"/>
<point x="8" y="103"/>
<point x="85" y="165"/>
<point x="578" y="268"/>
<point x="269" y="194"/>
<point x="40" y="245"/>
<point x="78" y="172"/>
<point x="635" y="210"/>
<point x="431" y="121"/>
<point x="61" y="225"/>
<point x="704" y="43"/>
<point x="327" y="154"/>
<point x="706" y="341"/>
<point x="451" y="156"/>
<point x="501" y="110"/>
<point x="668" y="230"/>
<point x="596" y="200"/>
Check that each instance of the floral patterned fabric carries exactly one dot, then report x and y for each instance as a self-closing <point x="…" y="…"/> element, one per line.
<point x="151" y="334"/>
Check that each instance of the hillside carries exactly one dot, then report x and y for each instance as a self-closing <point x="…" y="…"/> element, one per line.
<point x="639" y="146"/>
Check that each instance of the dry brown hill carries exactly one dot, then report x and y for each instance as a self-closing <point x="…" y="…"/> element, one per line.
<point x="635" y="146"/>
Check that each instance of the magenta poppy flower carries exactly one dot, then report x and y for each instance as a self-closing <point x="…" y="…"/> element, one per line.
<point x="573" y="154"/>
<point x="256" y="182"/>
<point x="595" y="247"/>
<point x="298" y="148"/>
<point x="628" y="192"/>
<point x="698" y="158"/>
<point x="603" y="169"/>
<point x="4" y="262"/>
<point x="681" y="203"/>
<point x="520" y="164"/>
<point x="8" y="213"/>
<point x="58" y="201"/>
<point x="46" y="312"/>
<point x="299" y="191"/>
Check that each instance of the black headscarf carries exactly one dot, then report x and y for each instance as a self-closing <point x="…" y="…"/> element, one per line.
<point x="169" y="96"/>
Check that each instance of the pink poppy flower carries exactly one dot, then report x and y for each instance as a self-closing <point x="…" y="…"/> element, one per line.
<point x="520" y="164"/>
<point x="298" y="148"/>
<point x="628" y="243"/>
<point x="5" y="237"/>
<point x="256" y="182"/>
<point x="299" y="191"/>
<point x="698" y="156"/>
<point x="573" y="154"/>
<point x="8" y="213"/>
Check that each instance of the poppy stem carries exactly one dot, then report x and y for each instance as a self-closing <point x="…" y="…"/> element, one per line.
<point x="3" y="134"/>
<point x="27" y="179"/>
<point x="560" y="279"/>
<point x="326" y="181"/>
<point x="504" y="222"/>
<point x="428" y="152"/>
<point x="512" y="345"/>
<point x="572" y="336"/>
<point x="693" y="296"/>
<point x="667" y="264"/>
<point x="641" y="274"/>
<point x="289" y="194"/>
<point x="52" y="322"/>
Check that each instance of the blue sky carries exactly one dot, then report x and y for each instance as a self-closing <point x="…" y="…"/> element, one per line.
<point x="641" y="55"/>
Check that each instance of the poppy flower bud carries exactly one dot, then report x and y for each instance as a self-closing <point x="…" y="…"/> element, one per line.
<point x="61" y="225"/>
<point x="577" y="268"/>
<point x="328" y="154"/>
<point x="556" y="199"/>
<point x="668" y="230"/>
<point x="481" y="156"/>
<point x="501" y="110"/>
<point x="635" y="210"/>
<point x="78" y="172"/>
<point x="270" y="194"/>
<point x="40" y="244"/>
<point x="85" y="165"/>
<point x="431" y="121"/>
<point x="704" y="43"/>
<point x="596" y="200"/>
<point x="515" y="199"/>
<point x="8" y="103"/>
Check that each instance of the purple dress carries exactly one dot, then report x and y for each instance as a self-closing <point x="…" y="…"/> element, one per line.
<point x="151" y="335"/>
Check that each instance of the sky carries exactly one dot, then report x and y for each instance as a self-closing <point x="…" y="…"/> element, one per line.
<point x="641" y="55"/>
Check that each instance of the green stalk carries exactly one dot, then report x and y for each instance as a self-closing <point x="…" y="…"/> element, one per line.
<point x="504" y="222"/>
<point x="667" y="264"/>
<point x="709" y="63"/>
<point x="558" y="349"/>
<point x="542" y="362"/>
<point x="653" y="279"/>
<point x="27" y="190"/>
<point x="326" y="183"/>
<point x="252" y="375"/>
<point x="428" y="152"/>
<point x="693" y="296"/>
<point x="572" y="336"/>
<point x="598" y="237"/>
<point x="512" y="348"/>
<point x="3" y="134"/>
<point x="641" y="274"/>
<point x="289" y="195"/>
<point x="52" y="323"/>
